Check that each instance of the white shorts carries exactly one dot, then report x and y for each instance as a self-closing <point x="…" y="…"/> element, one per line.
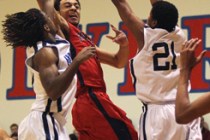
<point x="40" y="126"/>
<point x="157" y="122"/>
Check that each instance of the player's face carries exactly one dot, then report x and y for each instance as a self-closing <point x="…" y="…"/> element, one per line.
<point x="70" y="10"/>
<point x="14" y="129"/>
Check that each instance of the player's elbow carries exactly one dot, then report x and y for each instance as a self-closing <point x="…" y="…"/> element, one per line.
<point x="53" y="96"/>
<point x="181" y="119"/>
<point x="120" y="65"/>
<point x="178" y="117"/>
<point x="120" y="62"/>
<point x="183" y="113"/>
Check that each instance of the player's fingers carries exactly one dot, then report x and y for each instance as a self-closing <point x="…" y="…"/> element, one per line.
<point x="115" y="29"/>
<point x="192" y="42"/>
<point x="117" y="39"/>
<point x="184" y="45"/>
<point x="189" y="43"/>
<point x="92" y="51"/>
<point x="195" y="44"/>
<point x="110" y="37"/>
<point x="200" y="57"/>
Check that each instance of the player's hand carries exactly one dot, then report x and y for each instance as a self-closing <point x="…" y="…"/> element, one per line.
<point x="188" y="59"/>
<point x="85" y="54"/>
<point x="120" y="37"/>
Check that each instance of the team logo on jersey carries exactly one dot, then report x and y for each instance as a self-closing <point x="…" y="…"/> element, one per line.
<point x="68" y="58"/>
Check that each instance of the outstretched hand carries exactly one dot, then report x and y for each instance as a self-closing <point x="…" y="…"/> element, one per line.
<point x="120" y="37"/>
<point x="188" y="59"/>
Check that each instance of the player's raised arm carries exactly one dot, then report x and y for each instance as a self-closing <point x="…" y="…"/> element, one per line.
<point x="135" y="24"/>
<point x="186" y="111"/>
<point x="120" y="58"/>
<point x="47" y="6"/>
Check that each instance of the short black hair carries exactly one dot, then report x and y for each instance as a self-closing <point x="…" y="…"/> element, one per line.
<point x="166" y="15"/>
<point x="24" y="28"/>
<point x="13" y="124"/>
<point x="57" y="4"/>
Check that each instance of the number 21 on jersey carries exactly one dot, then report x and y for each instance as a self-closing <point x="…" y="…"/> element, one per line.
<point x="168" y="49"/>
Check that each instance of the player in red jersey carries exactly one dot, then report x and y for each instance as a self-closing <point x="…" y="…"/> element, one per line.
<point x="94" y="115"/>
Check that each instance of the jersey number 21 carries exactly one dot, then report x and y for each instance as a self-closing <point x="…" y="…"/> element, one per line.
<point x="168" y="65"/>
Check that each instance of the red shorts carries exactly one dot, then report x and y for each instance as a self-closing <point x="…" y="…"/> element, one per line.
<point x="95" y="117"/>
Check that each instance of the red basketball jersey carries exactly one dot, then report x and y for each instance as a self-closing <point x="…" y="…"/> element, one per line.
<point x="90" y="73"/>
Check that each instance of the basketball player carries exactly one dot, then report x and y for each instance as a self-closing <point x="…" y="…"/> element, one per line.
<point x="155" y="70"/>
<point x="186" y="111"/>
<point x="95" y="117"/>
<point x="53" y="71"/>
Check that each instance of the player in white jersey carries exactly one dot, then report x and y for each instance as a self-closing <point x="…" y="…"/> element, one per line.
<point x="155" y="71"/>
<point x="47" y="112"/>
<point x="52" y="68"/>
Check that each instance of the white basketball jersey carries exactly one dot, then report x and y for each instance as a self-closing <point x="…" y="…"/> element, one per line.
<point x="43" y="103"/>
<point x="155" y="69"/>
